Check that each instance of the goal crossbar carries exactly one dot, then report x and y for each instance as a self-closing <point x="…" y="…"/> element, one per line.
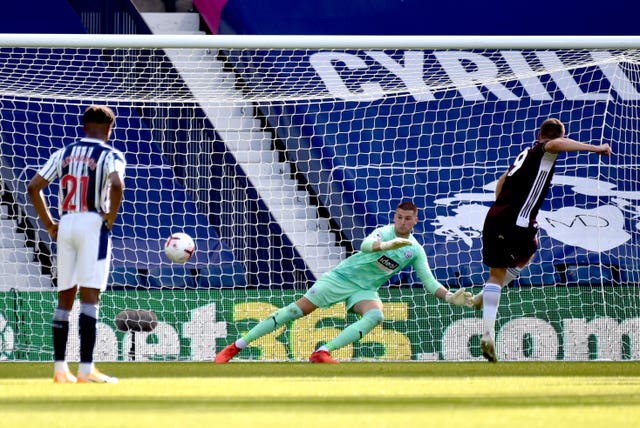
<point x="318" y="42"/>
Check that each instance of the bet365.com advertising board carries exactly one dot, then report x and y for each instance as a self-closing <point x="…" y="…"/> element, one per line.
<point x="192" y="324"/>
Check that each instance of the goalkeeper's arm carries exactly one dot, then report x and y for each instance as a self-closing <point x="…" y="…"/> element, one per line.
<point x="371" y="245"/>
<point x="459" y="298"/>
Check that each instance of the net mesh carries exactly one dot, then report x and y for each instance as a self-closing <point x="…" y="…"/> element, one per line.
<point x="279" y="162"/>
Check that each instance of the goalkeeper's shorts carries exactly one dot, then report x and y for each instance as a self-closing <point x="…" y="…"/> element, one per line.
<point x="328" y="291"/>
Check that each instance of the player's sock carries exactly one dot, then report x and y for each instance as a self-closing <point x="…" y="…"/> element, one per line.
<point x="356" y="330"/>
<point x="85" y="368"/>
<point x="273" y="322"/>
<point x="490" y="300"/>
<point x="87" y="323"/>
<point x="60" y="366"/>
<point x="60" y="329"/>
<point x="511" y="274"/>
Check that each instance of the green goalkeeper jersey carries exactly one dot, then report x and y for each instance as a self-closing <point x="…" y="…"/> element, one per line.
<point x="370" y="269"/>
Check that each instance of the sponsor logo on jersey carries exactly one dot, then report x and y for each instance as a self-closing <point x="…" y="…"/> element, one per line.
<point x="387" y="264"/>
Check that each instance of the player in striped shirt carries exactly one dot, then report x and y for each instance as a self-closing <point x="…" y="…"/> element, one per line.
<point x="91" y="175"/>
<point x="509" y="233"/>
<point x="355" y="281"/>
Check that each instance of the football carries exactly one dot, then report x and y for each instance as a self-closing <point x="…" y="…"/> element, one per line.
<point x="179" y="247"/>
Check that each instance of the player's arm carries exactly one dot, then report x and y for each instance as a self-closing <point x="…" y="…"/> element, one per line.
<point x="116" y="194"/>
<point x="564" y="144"/>
<point x="459" y="298"/>
<point x="374" y="242"/>
<point x="34" y="188"/>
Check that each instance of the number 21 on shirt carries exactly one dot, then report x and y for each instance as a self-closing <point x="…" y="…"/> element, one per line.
<point x="73" y="186"/>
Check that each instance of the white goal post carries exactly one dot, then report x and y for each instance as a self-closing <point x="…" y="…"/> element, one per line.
<point x="278" y="154"/>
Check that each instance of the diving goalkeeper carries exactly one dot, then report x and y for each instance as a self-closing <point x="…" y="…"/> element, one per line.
<point x="355" y="281"/>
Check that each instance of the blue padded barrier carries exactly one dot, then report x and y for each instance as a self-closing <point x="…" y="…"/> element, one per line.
<point x="172" y="276"/>
<point x="588" y="274"/>
<point x="534" y="274"/>
<point x="417" y="17"/>
<point x="230" y="274"/>
<point x="39" y="16"/>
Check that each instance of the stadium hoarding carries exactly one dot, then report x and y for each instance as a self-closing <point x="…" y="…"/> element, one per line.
<point x="534" y="324"/>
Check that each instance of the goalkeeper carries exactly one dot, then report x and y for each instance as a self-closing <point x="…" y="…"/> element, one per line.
<point x="355" y="281"/>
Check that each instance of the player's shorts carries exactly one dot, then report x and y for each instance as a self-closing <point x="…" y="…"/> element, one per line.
<point x="504" y="244"/>
<point x="84" y="251"/>
<point x="329" y="290"/>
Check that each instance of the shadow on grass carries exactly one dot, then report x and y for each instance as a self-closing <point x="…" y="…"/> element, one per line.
<point x="333" y="403"/>
<point x="24" y="370"/>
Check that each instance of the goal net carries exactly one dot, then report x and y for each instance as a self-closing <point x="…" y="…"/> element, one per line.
<point x="279" y="157"/>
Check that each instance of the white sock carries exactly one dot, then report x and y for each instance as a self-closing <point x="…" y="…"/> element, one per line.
<point x="61" y="366"/>
<point x="511" y="274"/>
<point x="491" y="301"/>
<point x="85" y="368"/>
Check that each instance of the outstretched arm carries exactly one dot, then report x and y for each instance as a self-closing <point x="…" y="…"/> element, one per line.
<point x="564" y="144"/>
<point x="371" y="244"/>
<point x="459" y="298"/>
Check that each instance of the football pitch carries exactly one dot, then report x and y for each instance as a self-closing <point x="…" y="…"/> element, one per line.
<point x="474" y="394"/>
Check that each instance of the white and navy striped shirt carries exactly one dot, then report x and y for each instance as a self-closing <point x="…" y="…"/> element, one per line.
<point x="84" y="168"/>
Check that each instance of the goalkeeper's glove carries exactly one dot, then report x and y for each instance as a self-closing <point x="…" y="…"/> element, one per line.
<point x="477" y="301"/>
<point x="459" y="298"/>
<point x="394" y="244"/>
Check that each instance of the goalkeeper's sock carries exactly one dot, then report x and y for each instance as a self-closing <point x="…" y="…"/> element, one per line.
<point x="273" y="322"/>
<point x="490" y="301"/>
<point x="356" y="330"/>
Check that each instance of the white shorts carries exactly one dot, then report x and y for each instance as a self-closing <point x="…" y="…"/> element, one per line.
<point x="84" y="251"/>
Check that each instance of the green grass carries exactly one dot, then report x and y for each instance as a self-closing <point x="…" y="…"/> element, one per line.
<point x="350" y="394"/>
